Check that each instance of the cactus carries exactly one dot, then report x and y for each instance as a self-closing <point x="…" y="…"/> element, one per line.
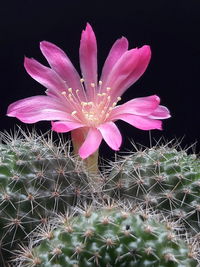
<point x="109" y="236"/>
<point x="37" y="179"/>
<point x="162" y="177"/>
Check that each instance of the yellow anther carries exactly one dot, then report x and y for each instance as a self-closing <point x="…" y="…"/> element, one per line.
<point x="108" y="97"/>
<point x="90" y="103"/>
<point x="108" y="89"/>
<point x="99" y="94"/>
<point x="82" y="80"/>
<point x="73" y="112"/>
<point x="63" y="93"/>
<point x="118" y="98"/>
<point x="70" y="90"/>
<point x="77" y="91"/>
<point x="84" y="104"/>
<point x="103" y="94"/>
<point x="114" y="104"/>
<point x="107" y="115"/>
<point x="92" y="84"/>
<point x="100" y="82"/>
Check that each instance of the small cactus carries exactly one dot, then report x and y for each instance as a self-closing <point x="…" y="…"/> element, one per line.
<point x="162" y="177"/>
<point x="37" y="179"/>
<point x="107" y="237"/>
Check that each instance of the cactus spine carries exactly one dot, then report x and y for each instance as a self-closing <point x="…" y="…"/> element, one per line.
<point x="163" y="178"/>
<point x="37" y="180"/>
<point x="109" y="236"/>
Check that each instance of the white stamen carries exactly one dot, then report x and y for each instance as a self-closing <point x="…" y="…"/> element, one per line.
<point x="84" y="104"/>
<point x="107" y="115"/>
<point x="92" y="112"/>
<point x="73" y="112"/>
<point x="92" y="85"/>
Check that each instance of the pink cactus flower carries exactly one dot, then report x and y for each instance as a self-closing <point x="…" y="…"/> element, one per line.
<point x="74" y="102"/>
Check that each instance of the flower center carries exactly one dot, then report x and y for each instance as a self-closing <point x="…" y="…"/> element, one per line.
<point x="92" y="113"/>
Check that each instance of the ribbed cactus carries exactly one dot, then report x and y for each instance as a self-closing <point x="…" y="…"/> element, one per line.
<point x="37" y="179"/>
<point x="163" y="178"/>
<point x="107" y="237"/>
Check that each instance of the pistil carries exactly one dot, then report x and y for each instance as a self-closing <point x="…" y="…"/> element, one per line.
<point x="94" y="112"/>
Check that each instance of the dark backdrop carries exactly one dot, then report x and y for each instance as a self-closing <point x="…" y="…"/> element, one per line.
<point x="170" y="27"/>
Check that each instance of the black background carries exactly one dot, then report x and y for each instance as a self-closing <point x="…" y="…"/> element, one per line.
<point x="170" y="27"/>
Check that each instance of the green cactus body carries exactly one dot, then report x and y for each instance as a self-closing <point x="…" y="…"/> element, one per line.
<point x="37" y="179"/>
<point x="109" y="237"/>
<point x="163" y="178"/>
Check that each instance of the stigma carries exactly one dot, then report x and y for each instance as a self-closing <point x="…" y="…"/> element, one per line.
<point x="91" y="111"/>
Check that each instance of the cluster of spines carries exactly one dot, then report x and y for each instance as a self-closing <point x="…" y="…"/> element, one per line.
<point x="27" y="160"/>
<point x="37" y="180"/>
<point x="108" y="236"/>
<point x="160" y="177"/>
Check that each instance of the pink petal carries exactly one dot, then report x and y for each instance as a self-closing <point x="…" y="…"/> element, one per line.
<point x="42" y="115"/>
<point x="65" y="126"/>
<point x="60" y="63"/>
<point x="140" y="122"/>
<point x="91" y="143"/>
<point x="117" y="50"/>
<point x="128" y="70"/>
<point x="122" y="69"/>
<point x="88" y="59"/>
<point x="44" y="75"/>
<point x="37" y="108"/>
<point x="160" y="113"/>
<point x="40" y="101"/>
<point x="111" y="135"/>
<point x="143" y="61"/>
<point x="138" y="106"/>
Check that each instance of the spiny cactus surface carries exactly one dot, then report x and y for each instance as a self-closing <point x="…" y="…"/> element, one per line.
<point x="109" y="237"/>
<point x="161" y="177"/>
<point x="37" y="179"/>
